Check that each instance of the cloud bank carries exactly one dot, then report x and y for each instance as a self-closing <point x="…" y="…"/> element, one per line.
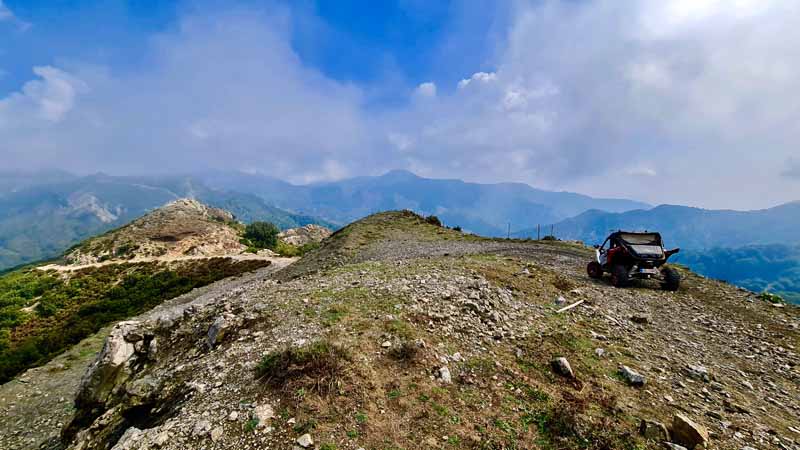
<point x="667" y="101"/>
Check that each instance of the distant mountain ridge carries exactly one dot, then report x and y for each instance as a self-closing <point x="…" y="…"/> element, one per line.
<point x="485" y="209"/>
<point x="690" y="227"/>
<point x="41" y="221"/>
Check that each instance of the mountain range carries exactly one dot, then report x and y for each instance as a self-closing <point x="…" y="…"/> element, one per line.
<point x="485" y="209"/>
<point x="43" y="213"/>
<point x="41" y="220"/>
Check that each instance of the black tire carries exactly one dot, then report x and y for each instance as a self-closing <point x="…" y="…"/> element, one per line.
<point x="672" y="279"/>
<point x="595" y="270"/>
<point x="619" y="276"/>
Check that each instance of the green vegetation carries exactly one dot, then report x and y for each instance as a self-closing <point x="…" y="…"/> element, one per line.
<point x="771" y="268"/>
<point x="41" y="313"/>
<point x="318" y="366"/>
<point x="261" y="235"/>
<point x="289" y="250"/>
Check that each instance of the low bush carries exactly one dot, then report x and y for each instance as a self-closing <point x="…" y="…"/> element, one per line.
<point x="317" y="367"/>
<point x="262" y="235"/>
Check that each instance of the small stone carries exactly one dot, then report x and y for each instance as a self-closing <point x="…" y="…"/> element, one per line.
<point x="201" y="428"/>
<point x="671" y="446"/>
<point x="655" y="431"/>
<point x="561" y="366"/>
<point x="263" y="413"/>
<point x="305" y="441"/>
<point x="161" y="438"/>
<point x="216" y="434"/>
<point x="560" y="300"/>
<point x="233" y="416"/>
<point x="698" y="372"/>
<point x="386" y="344"/>
<point x="599" y="352"/>
<point x="641" y="319"/>
<point x="444" y="375"/>
<point x="631" y="376"/>
<point x="217" y="331"/>
<point x="688" y="433"/>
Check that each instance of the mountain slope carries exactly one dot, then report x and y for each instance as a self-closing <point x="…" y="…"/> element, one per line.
<point x="396" y="334"/>
<point x="481" y="208"/>
<point x="166" y="253"/>
<point x="42" y="221"/>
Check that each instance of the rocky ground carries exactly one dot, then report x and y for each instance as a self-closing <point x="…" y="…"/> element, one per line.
<point x="398" y="334"/>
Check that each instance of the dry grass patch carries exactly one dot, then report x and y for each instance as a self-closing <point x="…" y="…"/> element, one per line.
<point x="316" y="367"/>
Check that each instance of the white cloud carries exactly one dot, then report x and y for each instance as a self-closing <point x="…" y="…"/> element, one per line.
<point x="480" y="77"/>
<point x="49" y="98"/>
<point x="580" y="92"/>
<point x="427" y="89"/>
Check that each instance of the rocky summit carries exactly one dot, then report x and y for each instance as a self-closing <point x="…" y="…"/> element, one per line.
<point x="182" y="228"/>
<point x="397" y="333"/>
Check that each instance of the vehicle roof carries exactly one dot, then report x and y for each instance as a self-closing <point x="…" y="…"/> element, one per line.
<point x="627" y="235"/>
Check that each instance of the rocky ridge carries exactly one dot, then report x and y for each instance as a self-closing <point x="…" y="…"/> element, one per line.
<point x="304" y="235"/>
<point x="181" y="228"/>
<point x="424" y="338"/>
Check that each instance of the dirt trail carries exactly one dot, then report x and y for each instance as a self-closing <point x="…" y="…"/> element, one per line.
<point x="278" y="261"/>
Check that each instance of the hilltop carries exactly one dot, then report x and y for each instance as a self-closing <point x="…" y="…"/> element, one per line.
<point x="397" y="333"/>
<point x="184" y="227"/>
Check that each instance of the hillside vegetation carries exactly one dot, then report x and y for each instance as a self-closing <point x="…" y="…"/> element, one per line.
<point x="43" y="313"/>
<point x="397" y="333"/>
<point x="772" y="268"/>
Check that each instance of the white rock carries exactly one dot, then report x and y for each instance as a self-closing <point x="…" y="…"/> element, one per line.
<point x="305" y="441"/>
<point x="444" y="375"/>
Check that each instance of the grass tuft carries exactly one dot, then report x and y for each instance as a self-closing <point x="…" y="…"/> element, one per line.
<point x="316" y="367"/>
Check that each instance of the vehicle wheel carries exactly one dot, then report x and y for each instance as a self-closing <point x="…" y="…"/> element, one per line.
<point x="595" y="270"/>
<point x="619" y="276"/>
<point x="672" y="279"/>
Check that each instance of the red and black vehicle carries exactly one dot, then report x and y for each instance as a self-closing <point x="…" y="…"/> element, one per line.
<point x="630" y="255"/>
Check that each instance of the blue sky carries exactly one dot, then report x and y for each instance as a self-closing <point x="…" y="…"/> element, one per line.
<point x="349" y="40"/>
<point x="666" y="101"/>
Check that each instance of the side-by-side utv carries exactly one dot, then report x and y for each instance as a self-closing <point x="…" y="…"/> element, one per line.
<point x="629" y="255"/>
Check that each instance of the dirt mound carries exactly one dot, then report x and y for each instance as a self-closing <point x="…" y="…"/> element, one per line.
<point x="182" y="228"/>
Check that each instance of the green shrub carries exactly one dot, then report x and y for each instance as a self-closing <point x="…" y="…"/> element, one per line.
<point x="262" y="235"/>
<point x="317" y="367"/>
<point x="769" y="297"/>
<point x="433" y="220"/>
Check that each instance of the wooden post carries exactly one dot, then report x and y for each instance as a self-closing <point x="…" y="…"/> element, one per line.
<point x="508" y="236"/>
<point x="538" y="232"/>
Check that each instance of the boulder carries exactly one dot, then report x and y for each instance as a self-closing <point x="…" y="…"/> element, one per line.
<point x="561" y="366"/>
<point x="631" y="376"/>
<point x="686" y="432"/>
<point x="654" y="431"/>
<point x="110" y="368"/>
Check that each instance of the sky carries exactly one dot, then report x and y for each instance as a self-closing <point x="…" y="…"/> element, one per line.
<point x="689" y="102"/>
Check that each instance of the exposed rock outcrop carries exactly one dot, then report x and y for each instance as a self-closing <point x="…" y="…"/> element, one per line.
<point x="182" y="228"/>
<point x="304" y="235"/>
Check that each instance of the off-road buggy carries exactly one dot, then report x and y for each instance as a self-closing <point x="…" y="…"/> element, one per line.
<point x="628" y="255"/>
